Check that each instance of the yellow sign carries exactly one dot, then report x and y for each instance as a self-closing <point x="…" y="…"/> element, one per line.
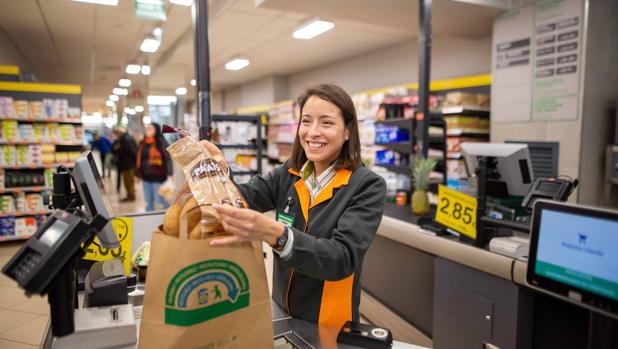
<point x="122" y="227"/>
<point x="457" y="211"/>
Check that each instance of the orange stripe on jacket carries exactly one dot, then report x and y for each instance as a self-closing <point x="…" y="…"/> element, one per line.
<point x="336" y="307"/>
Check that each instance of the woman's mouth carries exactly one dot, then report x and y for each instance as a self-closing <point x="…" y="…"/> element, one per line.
<point x="315" y="145"/>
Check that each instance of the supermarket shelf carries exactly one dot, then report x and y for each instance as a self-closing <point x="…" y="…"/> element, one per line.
<point x="236" y="118"/>
<point x="465" y="110"/>
<point x="466" y="132"/>
<point x="24" y="214"/>
<point x="35" y="166"/>
<point x="401" y="169"/>
<point x="401" y="123"/>
<point x="39" y="142"/>
<point x="14" y="237"/>
<point x="404" y="147"/>
<point x="236" y="146"/>
<point x="47" y="120"/>
<point x="22" y="189"/>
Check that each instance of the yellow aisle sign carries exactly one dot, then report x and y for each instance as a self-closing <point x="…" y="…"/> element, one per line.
<point x="122" y="227"/>
<point x="457" y="211"/>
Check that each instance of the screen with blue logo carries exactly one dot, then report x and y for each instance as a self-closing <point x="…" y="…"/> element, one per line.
<point x="580" y="251"/>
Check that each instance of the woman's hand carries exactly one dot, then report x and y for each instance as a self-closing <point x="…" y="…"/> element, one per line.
<point x="247" y="225"/>
<point x="216" y="153"/>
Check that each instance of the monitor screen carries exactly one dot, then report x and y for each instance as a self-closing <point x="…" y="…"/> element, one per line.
<point x="574" y="253"/>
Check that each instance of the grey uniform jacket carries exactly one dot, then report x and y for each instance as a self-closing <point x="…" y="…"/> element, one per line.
<point x="319" y="280"/>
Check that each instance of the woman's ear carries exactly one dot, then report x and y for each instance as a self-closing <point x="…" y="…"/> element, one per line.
<point x="347" y="134"/>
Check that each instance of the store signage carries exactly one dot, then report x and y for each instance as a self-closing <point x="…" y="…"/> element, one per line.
<point x="537" y="65"/>
<point x="150" y="9"/>
<point x="123" y="228"/>
<point x="456" y="211"/>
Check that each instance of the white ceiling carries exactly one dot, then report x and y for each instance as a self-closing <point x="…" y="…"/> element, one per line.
<point x="79" y="43"/>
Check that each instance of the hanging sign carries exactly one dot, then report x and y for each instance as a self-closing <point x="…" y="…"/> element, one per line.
<point x="150" y="9"/>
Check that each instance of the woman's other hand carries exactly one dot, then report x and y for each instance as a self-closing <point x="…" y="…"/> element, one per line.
<point x="247" y="225"/>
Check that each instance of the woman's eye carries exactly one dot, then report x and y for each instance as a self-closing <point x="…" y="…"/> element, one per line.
<point x="306" y="121"/>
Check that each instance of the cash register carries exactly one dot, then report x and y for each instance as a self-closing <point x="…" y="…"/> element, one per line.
<point x="46" y="263"/>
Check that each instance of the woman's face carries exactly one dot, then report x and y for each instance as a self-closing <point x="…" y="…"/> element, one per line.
<point x="150" y="130"/>
<point x="322" y="131"/>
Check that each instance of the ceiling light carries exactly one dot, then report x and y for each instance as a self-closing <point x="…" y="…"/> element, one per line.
<point x="118" y="91"/>
<point x="157" y="32"/>
<point x="113" y="98"/>
<point x="100" y="2"/>
<point x="146" y="119"/>
<point x="110" y="103"/>
<point x="193" y="82"/>
<point x="139" y="108"/>
<point x="181" y="91"/>
<point x="145" y="69"/>
<point x="182" y="2"/>
<point x="237" y="64"/>
<point x="129" y="111"/>
<point x="150" y="45"/>
<point x="313" y="29"/>
<point x="161" y="100"/>
<point x="124" y="82"/>
<point x="133" y="69"/>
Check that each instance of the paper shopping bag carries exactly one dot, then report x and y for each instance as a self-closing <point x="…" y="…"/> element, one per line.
<point x="198" y="296"/>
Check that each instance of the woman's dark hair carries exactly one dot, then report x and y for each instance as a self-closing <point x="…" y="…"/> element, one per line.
<point x="349" y="157"/>
<point x="160" y="142"/>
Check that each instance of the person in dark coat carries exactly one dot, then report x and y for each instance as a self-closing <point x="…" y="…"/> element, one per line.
<point x="104" y="146"/>
<point x="153" y="165"/>
<point x="125" y="150"/>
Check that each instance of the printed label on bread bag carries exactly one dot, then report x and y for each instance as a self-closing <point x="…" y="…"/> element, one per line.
<point x="204" y="291"/>
<point x="204" y="168"/>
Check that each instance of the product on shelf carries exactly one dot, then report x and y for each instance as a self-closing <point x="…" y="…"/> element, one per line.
<point x="7" y="109"/>
<point x="466" y="99"/>
<point x="390" y="134"/>
<point x="7" y="204"/>
<point x="467" y="122"/>
<point x="25" y="226"/>
<point x="10" y="130"/>
<point x="7" y="225"/>
<point x="21" y="109"/>
<point x="37" y="109"/>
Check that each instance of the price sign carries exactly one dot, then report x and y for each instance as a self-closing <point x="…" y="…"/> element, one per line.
<point x="457" y="211"/>
<point x="122" y="227"/>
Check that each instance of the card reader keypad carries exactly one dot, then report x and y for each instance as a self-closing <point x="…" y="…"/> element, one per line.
<point x="27" y="266"/>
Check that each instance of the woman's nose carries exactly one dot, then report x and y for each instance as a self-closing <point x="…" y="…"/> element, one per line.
<point x="314" y="130"/>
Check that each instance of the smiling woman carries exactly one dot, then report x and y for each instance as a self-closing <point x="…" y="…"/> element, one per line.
<point x="328" y="209"/>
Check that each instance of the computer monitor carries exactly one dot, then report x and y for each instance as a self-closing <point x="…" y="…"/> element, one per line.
<point x="513" y="164"/>
<point x="92" y="192"/>
<point x="574" y="255"/>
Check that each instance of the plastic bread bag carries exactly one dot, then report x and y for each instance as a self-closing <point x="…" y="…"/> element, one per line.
<point x="206" y="179"/>
<point x="171" y="220"/>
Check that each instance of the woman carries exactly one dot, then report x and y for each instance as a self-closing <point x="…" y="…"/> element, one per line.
<point x="153" y="165"/>
<point x="328" y="208"/>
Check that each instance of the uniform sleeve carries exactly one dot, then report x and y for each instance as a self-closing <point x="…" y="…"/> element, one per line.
<point x="338" y="257"/>
<point x="261" y="191"/>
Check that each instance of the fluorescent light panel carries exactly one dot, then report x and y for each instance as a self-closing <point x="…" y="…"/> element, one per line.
<point x="313" y="29"/>
<point x="182" y="2"/>
<point x="139" y="108"/>
<point x="100" y="2"/>
<point x="118" y="91"/>
<point x="145" y="69"/>
<point x="181" y="91"/>
<point x="113" y="98"/>
<point x="150" y="45"/>
<point x="110" y="103"/>
<point x="193" y="82"/>
<point x="237" y="64"/>
<point x="124" y="82"/>
<point x="146" y="119"/>
<point x="161" y="100"/>
<point x="133" y="69"/>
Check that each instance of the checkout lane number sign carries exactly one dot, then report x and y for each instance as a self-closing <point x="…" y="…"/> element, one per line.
<point x="457" y="211"/>
<point x="122" y="228"/>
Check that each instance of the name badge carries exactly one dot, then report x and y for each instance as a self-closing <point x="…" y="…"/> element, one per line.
<point x="286" y="219"/>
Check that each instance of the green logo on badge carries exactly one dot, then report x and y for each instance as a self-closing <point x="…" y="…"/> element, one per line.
<point x="204" y="291"/>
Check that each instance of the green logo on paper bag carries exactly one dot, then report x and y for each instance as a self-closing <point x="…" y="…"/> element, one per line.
<point x="204" y="291"/>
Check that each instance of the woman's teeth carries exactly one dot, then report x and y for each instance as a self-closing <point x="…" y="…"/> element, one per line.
<point x="314" y="145"/>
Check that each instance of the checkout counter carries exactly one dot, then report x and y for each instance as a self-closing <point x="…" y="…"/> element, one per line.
<point x="302" y="334"/>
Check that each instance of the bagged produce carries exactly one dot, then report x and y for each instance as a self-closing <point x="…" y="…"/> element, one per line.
<point x="198" y="296"/>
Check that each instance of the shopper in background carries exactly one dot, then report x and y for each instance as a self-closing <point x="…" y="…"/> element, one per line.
<point x="328" y="208"/>
<point x="104" y="147"/>
<point x="154" y="165"/>
<point x="125" y="150"/>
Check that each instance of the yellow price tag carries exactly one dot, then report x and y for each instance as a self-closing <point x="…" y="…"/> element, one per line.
<point x="122" y="226"/>
<point x="457" y="211"/>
